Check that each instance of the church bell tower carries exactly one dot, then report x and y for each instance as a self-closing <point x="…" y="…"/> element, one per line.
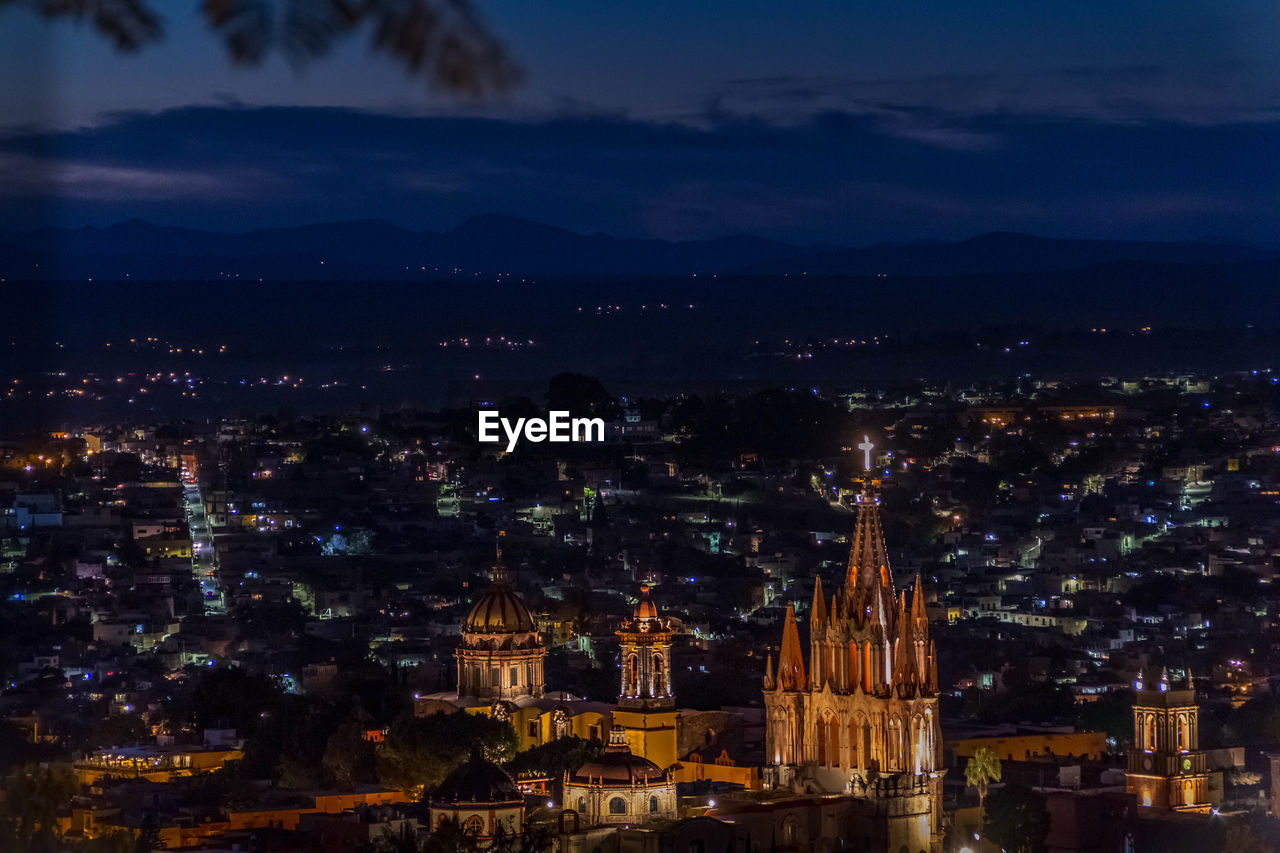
<point x="1166" y="768"/>
<point x="646" y="704"/>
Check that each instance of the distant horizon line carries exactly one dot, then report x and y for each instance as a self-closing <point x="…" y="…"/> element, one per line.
<point x="739" y="235"/>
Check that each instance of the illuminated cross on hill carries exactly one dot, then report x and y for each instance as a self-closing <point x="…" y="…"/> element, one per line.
<point x="866" y="447"/>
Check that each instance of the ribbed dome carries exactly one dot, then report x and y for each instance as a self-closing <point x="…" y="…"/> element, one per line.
<point x="477" y="781"/>
<point x="645" y="609"/>
<point x="500" y="611"/>
<point x="619" y="766"/>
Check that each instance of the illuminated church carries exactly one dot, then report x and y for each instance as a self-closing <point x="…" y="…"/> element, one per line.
<point x="501" y="655"/>
<point x="854" y="716"/>
<point x="500" y="673"/>
<point x="859" y="713"/>
<point x="1167" y="771"/>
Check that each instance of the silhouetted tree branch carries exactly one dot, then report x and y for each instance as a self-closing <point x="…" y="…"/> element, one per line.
<point x="442" y="40"/>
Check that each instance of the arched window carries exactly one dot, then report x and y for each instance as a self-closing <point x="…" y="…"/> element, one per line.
<point x="632" y="671"/>
<point x="895" y="743"/>
<point x="653" y="805"/>
<point x="582" y="804"/>
<point x="867" y="760"/>
<point x="617" y="806"/>
<point x="659" y="677"/>
<point x="474" y="826"/>
<point x="853" y="743"/>
<point x="918" y="745"/>
<point x="794" y="744"/>
<point x="866" y="667"/>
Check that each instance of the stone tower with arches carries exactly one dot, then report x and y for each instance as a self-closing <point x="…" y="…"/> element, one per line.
<point x="1166" y="769"/>
<point x="859" y="713"/>
<point x="646" y="709"/>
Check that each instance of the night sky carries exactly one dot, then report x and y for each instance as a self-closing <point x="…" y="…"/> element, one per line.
<point x="812" y="122"/>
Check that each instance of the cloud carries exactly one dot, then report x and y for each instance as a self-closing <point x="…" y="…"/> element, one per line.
<point x="1222" y="93"/>
<point x="26" y="176"/>
<point x="881" y="171"/>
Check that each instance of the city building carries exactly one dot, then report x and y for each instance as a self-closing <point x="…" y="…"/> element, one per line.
<point x="481" y="799"/>
<point x="501" y="655"/>
<point x="1166" y="769"/>
<point x="620" y="787"/>
<point x="646" y="703"/>
<point x="861" y="714"/>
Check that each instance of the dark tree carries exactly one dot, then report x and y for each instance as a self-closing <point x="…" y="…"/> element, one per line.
<point x="33" y="796"/>
<point x="449" y="837"/>
<point x="443" y="41"/>
<point x="581" y="395"/>
<point x="419" y="752"/>
<point x="348" y="758"/>
<point x="1017" y="818"/>
<point x="404" y="841"/>
<point x="555" y="757"/>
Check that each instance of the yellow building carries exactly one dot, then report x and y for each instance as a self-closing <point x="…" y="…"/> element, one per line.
<point x="646" y="704"/>
<point x="153" y="763"/>
<point x="166" y="545"/>
<point x="1024" y="746"/>
<point x="721" y="769"/>
<point x="500" y="675"/>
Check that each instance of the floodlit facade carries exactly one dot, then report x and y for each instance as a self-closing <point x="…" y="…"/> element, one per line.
<point x="501" y="655"/>
<point x="860" y="714"/>
<point x="646" y="703"/>
<point x="1166" y="769"/>
<point x="620" y="788"/>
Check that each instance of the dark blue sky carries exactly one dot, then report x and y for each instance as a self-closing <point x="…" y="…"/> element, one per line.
<point x="810" y="121"/>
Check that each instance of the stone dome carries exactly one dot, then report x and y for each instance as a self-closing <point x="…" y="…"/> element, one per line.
<point x="500" y="611"/>
<point x="619" y="766"/>
<point x="477" y="781"/>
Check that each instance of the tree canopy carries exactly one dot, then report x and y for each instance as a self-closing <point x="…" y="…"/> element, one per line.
<point x="1017" y="818"/>
<point x="442" y="41"/>
<point x="419" y="752"/>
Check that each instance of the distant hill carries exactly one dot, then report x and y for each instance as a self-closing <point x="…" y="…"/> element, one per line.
<point x="489" y="245"/>
<point x="493" y="245"/>
<point x="1000" y="253"/>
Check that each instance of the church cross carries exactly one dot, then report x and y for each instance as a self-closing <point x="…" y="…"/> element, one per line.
<point x="866" y="447"/>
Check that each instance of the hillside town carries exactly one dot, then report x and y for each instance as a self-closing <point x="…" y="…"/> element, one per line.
<point x="1024" y="615"/>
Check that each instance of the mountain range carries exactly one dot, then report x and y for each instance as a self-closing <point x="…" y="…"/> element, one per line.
<point x="492" y="246"/>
